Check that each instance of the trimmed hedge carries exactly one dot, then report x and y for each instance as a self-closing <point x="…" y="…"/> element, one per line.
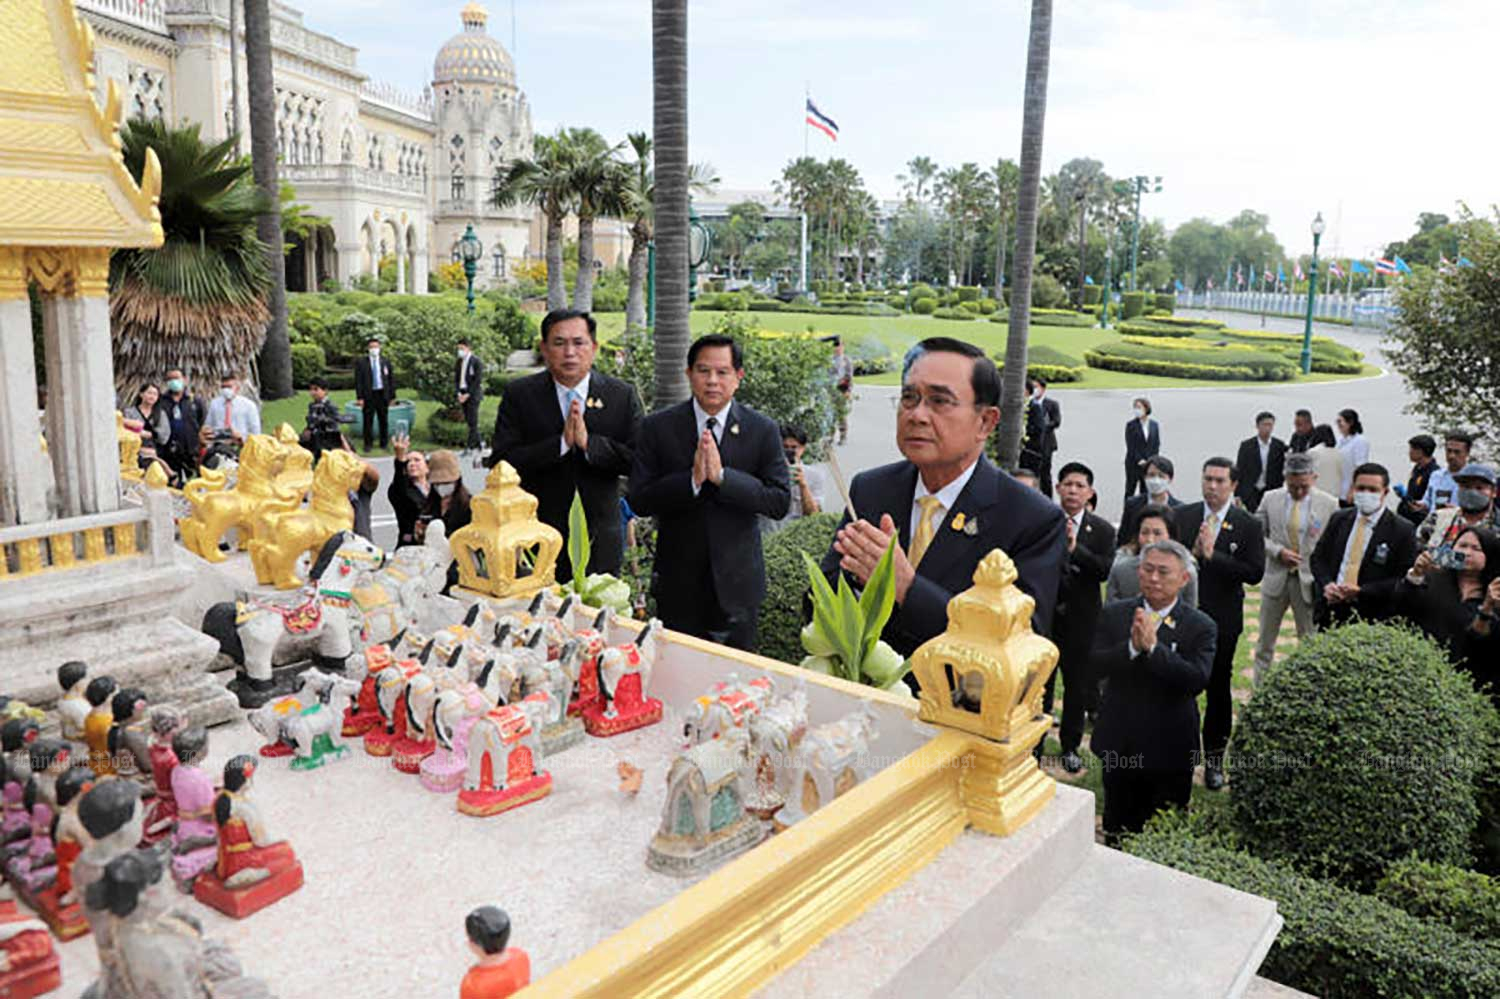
<point x="1147" y="327"/>
<point x="1210" y="364"/>
<point x="967" y="293"/>
<point x="1049" y="363"/>
<point x="1196" y="323"/>
<point x="1092" y="295"/>
<point x="446" y="432"/>
<point x="1133" y="304"/>
<point x="921" y="290"/>
<point x="307" y="363"/>
<point x="947" y="313"/>
<point x="1467" y="901"/>
<point x="970" y="306"/>
<point x="988" y="306"/>
<point x="1337" y="943"/>
<point x="766" y="305"/>
<point x="1363" y="747"/>
<point x="924" y="306"/>
<point x="1166" y="303"/>
<point x="786" y="582"/>
<point x="1052" y="317"/>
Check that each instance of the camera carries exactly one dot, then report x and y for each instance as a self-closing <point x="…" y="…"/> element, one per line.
<point x="1446" y="557"/>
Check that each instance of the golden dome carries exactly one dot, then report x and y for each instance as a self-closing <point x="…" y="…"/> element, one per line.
<point x="472" y="56"/>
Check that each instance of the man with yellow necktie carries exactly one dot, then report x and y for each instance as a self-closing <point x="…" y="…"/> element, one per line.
<point x="1363" y="554"/>
<point x="946" y="505"/>
<point x="1293" y="518"/>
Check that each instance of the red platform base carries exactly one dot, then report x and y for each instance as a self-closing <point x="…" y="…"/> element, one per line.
<point x="275" y="749"/>
<point x="378" y="742"/>
<point x="494" y="802"/>
<point x="36" y="980"/>
<point x="625" y="720"/>
<point x="359" y="722"/>
<point x="579" y="705"/>
<point x="240" y="903"/>
<point x="407" y="754"/>
<point x="66" y="922"/>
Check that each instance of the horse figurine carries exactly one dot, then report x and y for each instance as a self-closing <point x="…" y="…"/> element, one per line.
<point x="505" y="757"/>
<point x="292" y="533"/>
<point x="216" y="508"/>
<point x="316" y="733"/>
<point x="405" y="592"/>
<point x="390" y="698"/>
<point x="586" y="687"/>
<point x="452" y="721"/>
<point x="420" y="697"/>
<point x="250" y="630"/>
<point x="624" y="679"/>
<point x="556" y="678"/>
<point x="728" y="705"/>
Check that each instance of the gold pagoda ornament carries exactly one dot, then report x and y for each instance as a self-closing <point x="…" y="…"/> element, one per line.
<point x="985" y="675"/>
<point x="505" y="551"/>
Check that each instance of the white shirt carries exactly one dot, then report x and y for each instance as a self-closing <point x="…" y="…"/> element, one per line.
<point x="1370" y="522"/>
<point x="244" y="415"/>
<point x="700" y="417"/>
<point x="1165" y="613"/>
<point x="1077" y="520"/>
<point x="582" y="388"/>
<point x="1354" y="451"/>
<point x="1222" y="513"/>
<point x="1265" y="460"/>
<point x="463" y="371"/>
<point x="946" y="497"/>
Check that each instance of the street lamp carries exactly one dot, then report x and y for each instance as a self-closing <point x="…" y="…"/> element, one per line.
<point x="1143" y="185"/>
<point x="1312" y="295"/>
<point x="700" y="243"/>
<point x="470" y="249"/>
<point x="1109" y="260"/>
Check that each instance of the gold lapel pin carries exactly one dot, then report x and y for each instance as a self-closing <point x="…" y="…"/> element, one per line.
<point x="958" y="521"/>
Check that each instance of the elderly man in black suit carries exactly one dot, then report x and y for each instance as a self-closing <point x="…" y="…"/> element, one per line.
<point x="1231" y="552"/>
<point x="374" y="388"/>
<point x="571" y="428"/>
<point x="1091" y="549"/>
<point x="1261" y="462"/>
<point x="707" y="469"/>
<point x="1155" y="654"/>
<point x="1363" y="553"/>
<point x="945" y="504"/>
<point x="469" y="374"/>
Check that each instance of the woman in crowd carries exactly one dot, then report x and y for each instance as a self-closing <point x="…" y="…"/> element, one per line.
<point x="1354" y="450"/>
<point x="1453" y="594"/>
<point x="150" y="421"/>
<point x="409" y="491"/>
<point x="1154" y="524"/>
<point x="1142" y="442"/>
<point x="1328" y="459"/>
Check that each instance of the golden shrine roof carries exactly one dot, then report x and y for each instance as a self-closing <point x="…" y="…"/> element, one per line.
<point x="62" y="180"/>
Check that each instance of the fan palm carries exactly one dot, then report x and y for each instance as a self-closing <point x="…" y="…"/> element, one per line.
<point x="546" y="182"/>
<point x="198" y="301"/>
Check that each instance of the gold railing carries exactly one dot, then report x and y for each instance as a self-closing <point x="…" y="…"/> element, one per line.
<point x="68" y="544"/>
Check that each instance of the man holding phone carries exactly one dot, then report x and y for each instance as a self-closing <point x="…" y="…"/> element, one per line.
<point x="808" y="483"/>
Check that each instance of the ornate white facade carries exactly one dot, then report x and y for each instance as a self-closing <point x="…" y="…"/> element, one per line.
<point x="397" y="174"/>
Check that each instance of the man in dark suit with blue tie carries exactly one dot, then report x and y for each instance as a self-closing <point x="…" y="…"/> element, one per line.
<point x="945" y="504"/>
<point x="374" y="388"/>
<point x="707" y="470"/>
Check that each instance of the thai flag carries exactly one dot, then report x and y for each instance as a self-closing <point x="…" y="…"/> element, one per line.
<point x="821" y="121"/>
<point x="1335" y="269"/>
<point x="1297" y="270"/>
<point x="1387" y="267"/>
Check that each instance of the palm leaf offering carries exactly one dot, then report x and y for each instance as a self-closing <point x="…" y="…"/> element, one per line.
<point x="598" y="589"/>
<point x="843" y="637"/>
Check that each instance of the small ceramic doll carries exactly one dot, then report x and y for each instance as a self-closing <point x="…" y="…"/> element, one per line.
<point x="111" y="814"/>
<point x="100" y="720"/>
<point x="36" y="867"/>
<point x="195" y="838"/>
<point x="68" y="835"/>
<point x="166" y="722"/>
<point x="251" y="871"/>
<point x="16" y="737"/>
<point x="129" y="739"/>
<point x="73" y="707"/>
<point x="500" y="970"/>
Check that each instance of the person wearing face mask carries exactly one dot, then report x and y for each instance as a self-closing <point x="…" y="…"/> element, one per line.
<point x="409" y="491"/>
<point x="1293" y="518"/>
<point x="1354" y="450"/>
<point x="374" y="388"/>
<point x="1363" y="553"/>
<point x="231" y="418"/>
<point x="1142" y="442"/>
<point x="470" y="374"/>
<point x="1455" y="599"/>
<point x="1474" y="488"/>
<point x="1159" y="472"/>
<point x="1154" y="524"/>
<point x="807" y="480"/>
<point x="186" y="413"/>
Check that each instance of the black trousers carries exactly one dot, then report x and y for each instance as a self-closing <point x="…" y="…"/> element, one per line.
<point x="1218" y="713"/>
<point x="1132" y="796"/>
<point x="1082" y="692"/>
<point x="1041" y="466"/>
<point x="1045" y="473"/>
<point x="378" y="409"/>
<point x="471" y="417"/>
<point x="698" y="611"/>
<point x="1135" y="479"/>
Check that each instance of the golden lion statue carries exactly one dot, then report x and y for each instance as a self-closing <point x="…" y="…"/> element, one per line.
<point x="289" y="534"/>
<point x="216" y="510"/>
<point x="290" y="486"/>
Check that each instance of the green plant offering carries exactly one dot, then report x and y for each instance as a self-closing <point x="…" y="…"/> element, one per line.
<point x="598" y="589"/>
<point x="843" y="638"/>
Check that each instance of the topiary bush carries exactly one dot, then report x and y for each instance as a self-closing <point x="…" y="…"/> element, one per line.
<point x="921" y="290"/>
<point x="786" y="582"/>
<point x="446" y="430"/>
<point x="967" y="293"/>
<point x="1092" y="295"/>
<point x="1164" y="303"/>
<point x="1133" y="304"/>
<point x="1147" y="327"/>
<point x="1205" y="362"/>
<point x="925" y="306"/>
<point x="988" y="306"/>
<point x="1467" y="901"/>
<point x="1362" y="747"/>
<point x="766" y="305"/>
<point x="971" y="306"/>
<point x="1047" y="292"/>
<point x="307" y="363"/>
<point x="953" y="313"/>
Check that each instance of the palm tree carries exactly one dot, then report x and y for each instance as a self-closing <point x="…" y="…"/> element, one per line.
<point x="637" y="199"/>
<point x="1034" y="117"/>
<point x="545" y="181"/>
<point x="1003" y="180"/>
<point x="598" y="182"/>
<point x="919" y="173"/>
<point x="670" y="137"/>
<point x="198" y="301"/>
<point x="276" y="353"/>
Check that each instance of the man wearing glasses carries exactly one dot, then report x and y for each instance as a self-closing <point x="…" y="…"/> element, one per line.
<point x="946" y="505"/>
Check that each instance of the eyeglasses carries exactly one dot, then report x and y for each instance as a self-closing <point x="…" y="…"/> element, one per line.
<point x="939" y="404"/>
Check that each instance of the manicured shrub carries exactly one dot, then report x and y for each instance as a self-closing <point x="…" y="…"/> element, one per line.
<point x="1092" y="295"/>
<point x="1133" y="304"/>
<point x="1361" y="748"/>
<point x="765" y="305"/>
<point x="988" y="306"/>
<point x="948" y="299"/>
<point x="921" y="290"/>
<point x="924" y="306"/>
<point x="1212" y="365"/>
<point x="724" y="301"/>
<point x="1144" y="327"/>
<point x="967" y="293"/>
<point x="950" y="313"/>
<point x="786" y="582"/>
<point x="1466" y="900"/>
<point x="307" y="363"/>
<point x="1337" y="943"/>
<point x="445" y="430"/>
<point x="347" y="338"/>
<point x="1165" y="303"/>
<point x="1047" y="292"/>
<point x="971" y="306"/>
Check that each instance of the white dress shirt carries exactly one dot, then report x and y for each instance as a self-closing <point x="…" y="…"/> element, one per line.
<point x="1265" y="461"/>
<point x="1165" y="613"/>
<point x="244" y="415"/>
<point x="700" y="416"/>
<point x="1222" y="513"/>
<point x="946" y="497"/>
<point x="1354" y="451"/>
<point x="582" y="388"/>
<point x="1370" y="523"/>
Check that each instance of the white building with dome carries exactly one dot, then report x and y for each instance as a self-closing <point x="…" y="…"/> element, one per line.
<point x="396" y="174"/>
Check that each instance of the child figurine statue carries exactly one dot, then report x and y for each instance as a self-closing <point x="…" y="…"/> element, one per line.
<point x="59" y="904"/>
<point x="500" y="971"/>
<point x="166" y="722"/>
<point x="129" y="743"/>
<point x="98" y="723"/>
<point x="29" y="964"/>
<point x="148" y="948"/>
<point x="35" y="867"/>
<point x="251" y="871"/>
<point x="73" y="707"/>
<point x="195" y="838"/>
<point x="16" y="737"/>
<point x="111" y="815"/>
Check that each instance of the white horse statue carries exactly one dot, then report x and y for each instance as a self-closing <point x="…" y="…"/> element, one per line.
<point x="317" y="731"/>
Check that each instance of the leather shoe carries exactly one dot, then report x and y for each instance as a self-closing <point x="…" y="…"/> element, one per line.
<point x="1072" y="762"/>
<point x="1213" y="778"/>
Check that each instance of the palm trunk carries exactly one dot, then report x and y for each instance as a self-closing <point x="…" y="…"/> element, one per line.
<point x="635" y="296"/>
<point x="583" y="285"/>
<point x="557" y="292"/>
<point x="1013" y="380"/>
<point x="276" y="353"/>
<point x="1082" y="247"/>
<point x="1000" y="258"/>
<point x="669" y="124"/>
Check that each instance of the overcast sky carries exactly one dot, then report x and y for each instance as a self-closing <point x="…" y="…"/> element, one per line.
<point x="1367" y="110"/>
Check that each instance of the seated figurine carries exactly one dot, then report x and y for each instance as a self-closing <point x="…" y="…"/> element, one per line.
<point x="251" y="872"/>
<point x="35" y="868"/>
<point x="624" y="679"/>
<point x="112" y="818"/>
<point x="100" y="720"/>
<point x="73" y="707"/>
<point x="129" y="743"/>
<point x="149" y="949"/>
<point x="195" y="838"/>
<point x="500" y="970"/>
<point x="166" y="722"/>
<point x="16" y="737"/>
<point x="59" y="904"/>
<point x="452" y="720"/>
<point x="29" y="963"/>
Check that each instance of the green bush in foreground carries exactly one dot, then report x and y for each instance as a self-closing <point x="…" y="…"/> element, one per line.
<point x="786" y="582"/>
<point x="1337" y="943"/>
<point x="1361" y="748"/>
<point x="954" y="313"/>
<point x="1467" y="901"/>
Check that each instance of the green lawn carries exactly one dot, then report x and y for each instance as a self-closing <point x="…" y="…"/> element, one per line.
<point x="293" y="410"/>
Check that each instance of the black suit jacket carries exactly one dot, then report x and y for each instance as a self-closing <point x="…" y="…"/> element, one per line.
<point x="1006" y="515"/>
<point x="1237" y="561"/>
<point x="717" y="530"/>
<point x="528" y="434"/>
<point x="364" y="379"/>
<point x="1079" y="595"/>
<point x="1053" y="413"/>
<point x="1247" y="465"/>
<point x="1390" y="551"/>
<point x="1148" y="718"/>
<point x="1140" y="446"/>
<point x="1298" y="443"/>
<point x="1129" y="519"/>
<point x="470" y="374"/>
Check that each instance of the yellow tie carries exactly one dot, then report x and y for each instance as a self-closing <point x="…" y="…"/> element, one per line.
<point x="1214" y="523"/>
<point x="1294" y="528"/>
<point x="932" y="507"/>
<point x="1356" y="553"/>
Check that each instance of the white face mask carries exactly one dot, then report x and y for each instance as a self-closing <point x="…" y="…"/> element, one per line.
<point x="227" y="392"/>
<point x="1156" y="486"/>
<point x="462" y="353"/>
<point x="444" y="488"/>
<point x="1139" y="412"/>
<point x="374" y="351"/>
<point x="1368" y="503"/>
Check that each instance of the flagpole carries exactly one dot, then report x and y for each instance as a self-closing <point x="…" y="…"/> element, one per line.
<point x="806" y="97"/>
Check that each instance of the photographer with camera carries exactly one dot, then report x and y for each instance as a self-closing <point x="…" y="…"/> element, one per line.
<point x="1453" y="594"/>
<point x="1474" y="496"/>
<point x="231" y="419"/>
<point x="322" y="432"/>
<point x="807" y="482"/>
